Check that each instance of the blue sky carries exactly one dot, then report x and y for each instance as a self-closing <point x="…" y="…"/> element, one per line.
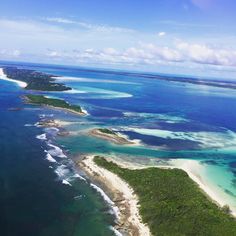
<point x="172" y="36"/>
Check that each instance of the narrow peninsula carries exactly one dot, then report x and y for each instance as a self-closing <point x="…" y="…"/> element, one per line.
<point x="169" y="202"/>
<point x="111" y="136"/>
<point x="54" y="103"/>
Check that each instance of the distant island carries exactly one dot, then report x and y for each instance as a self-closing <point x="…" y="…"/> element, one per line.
<point x="110" y="135"/>
<point x="35" y="80"/>
<point x="168" y="201"/>
<point x="207" y="82"/>
<point x="53" y="102"/>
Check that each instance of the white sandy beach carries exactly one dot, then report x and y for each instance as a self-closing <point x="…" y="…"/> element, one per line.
<point x="130" y="220"/>
<point x="4" y="77"/>
<point x="127" y="202"/>
<point x="117" y="138"/>
<point x="196" y="172"/>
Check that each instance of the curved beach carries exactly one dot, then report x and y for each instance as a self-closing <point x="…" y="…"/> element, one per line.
<point x="124" y="197"/>
<point x="129" y="219"/>
<point x="195" y="171"/>
<point x="111" y="136"/>
<point x="3" y="76"/>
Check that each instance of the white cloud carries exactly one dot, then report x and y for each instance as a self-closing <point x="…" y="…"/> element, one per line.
<point x="105" y="28"/>
<point x="148" y="54"/>
<point x="185" y="24"/>
<point x="103" y="45"/>
<point x="204" y="54"/>
<point x="151" y="54"/>
<point x="37" y="36"/>
<point x="161" y="34"/>
<point x="10" y="53"/>
<point x="60" y="20"/>
<point x="88" y="26"/>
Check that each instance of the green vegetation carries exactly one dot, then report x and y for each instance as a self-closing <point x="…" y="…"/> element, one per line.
<point x="172" y="204"/>
<point x="58" y="103"/>
<point x="107" y="131"/>
<point x="35" y="80"/>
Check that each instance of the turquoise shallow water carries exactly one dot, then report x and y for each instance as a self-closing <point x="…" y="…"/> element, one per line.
<point x="170" y="120"/>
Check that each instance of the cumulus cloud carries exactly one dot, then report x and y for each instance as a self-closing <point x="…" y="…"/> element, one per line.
<point x="145" y="54"/>
<point x="102" y="45"/>
<point x="153" y="55"/>
<point x="204" y="54"/>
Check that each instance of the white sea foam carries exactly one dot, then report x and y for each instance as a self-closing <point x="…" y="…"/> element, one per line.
<point x="50" y="158"/>
<point x="52" y="130"/>
<point x="41" y="116"/>
<point x="56" y="151"/>
<point x="80" y="177"/>
<point x="134" y="141"/>
<point x="62" y="171"/>
<point x="115" y="209"/>
<point x="42" y="137"/>
<point x="217" y="140"/>
<point x="66" y="182"/>
<point x="116" y="232"/>
<point x="3" y="76"/>
<point x="37" y="124"/>
<point x="28" y="125"/>
<point x="78" y="197"/>
<point x="84" y="111"/>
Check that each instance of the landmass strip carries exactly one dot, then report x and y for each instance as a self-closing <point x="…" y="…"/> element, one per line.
<point x="54" y="103"/>
<point x="111" y="136"/>
<point x="171" y="78"/>
<point x="168" y="201"/>
<point x="34" y="80"/>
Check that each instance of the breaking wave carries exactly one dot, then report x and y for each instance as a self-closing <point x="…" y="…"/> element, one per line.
<point x="42" y="137"/>
<point x="56" y="151"/>
<point x="115" y="209"/>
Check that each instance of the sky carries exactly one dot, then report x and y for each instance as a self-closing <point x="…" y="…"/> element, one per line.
<point x="187" y="37"/>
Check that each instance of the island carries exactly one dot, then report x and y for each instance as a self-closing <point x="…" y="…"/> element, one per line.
<point x="54" y="103"/>
<point x="111" y="136"/>
<point x="168" y="201"/>
<point x="35" y="80"/>
<point x="199" y="81"/>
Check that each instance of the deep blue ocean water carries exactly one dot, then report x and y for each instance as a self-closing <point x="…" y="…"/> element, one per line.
<point x="171" y="121"/>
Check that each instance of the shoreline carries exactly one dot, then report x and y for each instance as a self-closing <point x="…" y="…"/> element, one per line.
<point x="129" y="219"/>
<point x="3" y="76"/>
<point x="115" y="138"/>
<point x="83" y="113"/>
<point x="193" y="169"/>
<point x="66" y="110"/>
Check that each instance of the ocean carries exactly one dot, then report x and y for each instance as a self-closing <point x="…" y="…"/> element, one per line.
<point x="42" y="191"/>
